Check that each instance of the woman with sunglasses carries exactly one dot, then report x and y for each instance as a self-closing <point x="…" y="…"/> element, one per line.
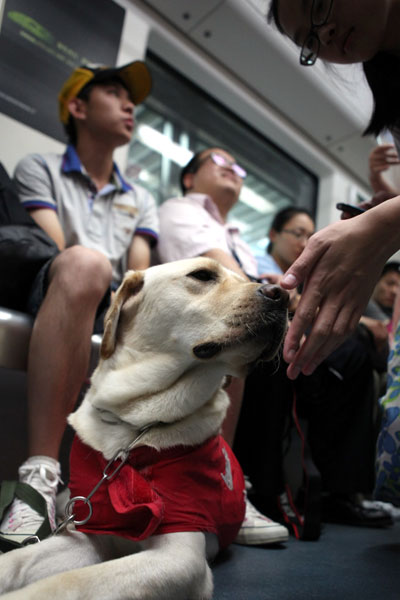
<point x="342" y="262"/>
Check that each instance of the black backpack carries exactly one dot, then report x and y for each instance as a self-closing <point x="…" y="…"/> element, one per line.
<point x="24" y="247"/>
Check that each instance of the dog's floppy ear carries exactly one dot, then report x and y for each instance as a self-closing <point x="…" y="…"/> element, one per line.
<point x="131" y="285"/>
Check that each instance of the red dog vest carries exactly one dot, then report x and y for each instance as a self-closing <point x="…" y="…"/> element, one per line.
<point x="184" y="488"/>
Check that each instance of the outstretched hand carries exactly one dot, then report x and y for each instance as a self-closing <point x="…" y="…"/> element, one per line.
<point x="339" y="268"/>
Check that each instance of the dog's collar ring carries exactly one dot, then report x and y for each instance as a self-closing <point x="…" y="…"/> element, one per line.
<point x="122" y="456"/>
<point x="70" y="507"/>
<point x="31" y="539"/>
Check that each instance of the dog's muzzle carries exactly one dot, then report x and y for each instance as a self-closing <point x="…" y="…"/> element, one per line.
<point x="275" y="294"/>
<point x="275" y="302"/>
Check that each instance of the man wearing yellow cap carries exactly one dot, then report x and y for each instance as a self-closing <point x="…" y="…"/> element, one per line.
<point x="102" y="226"/>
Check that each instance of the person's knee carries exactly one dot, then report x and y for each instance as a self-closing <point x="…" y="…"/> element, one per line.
<point x="82" y="273"/>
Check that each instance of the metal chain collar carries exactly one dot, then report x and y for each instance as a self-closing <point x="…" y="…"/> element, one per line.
<point x="122" y="454"/>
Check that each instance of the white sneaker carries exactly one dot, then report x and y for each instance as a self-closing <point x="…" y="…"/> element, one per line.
<point x="21" y="521"/>
<point x="389" y="508"/>
<point x="259" y="529"/>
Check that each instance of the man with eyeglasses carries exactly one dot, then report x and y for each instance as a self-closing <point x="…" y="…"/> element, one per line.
<point x="196" y="225"/>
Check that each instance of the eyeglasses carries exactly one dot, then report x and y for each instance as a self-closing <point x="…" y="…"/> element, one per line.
<point x="298" y="234"/>
<point x="221" y="161"/>
<point x="320" y="11"/>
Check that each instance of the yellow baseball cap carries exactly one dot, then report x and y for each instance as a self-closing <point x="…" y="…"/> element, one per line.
<point x="135" y="75"/>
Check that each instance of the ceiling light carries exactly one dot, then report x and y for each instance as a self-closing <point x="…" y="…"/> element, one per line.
<point x="256" y="201"/>
<point x="163" y="145"/>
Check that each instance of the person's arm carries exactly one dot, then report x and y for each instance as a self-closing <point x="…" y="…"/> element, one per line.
<point x="225" y="259"/>
<point x="339" y="267"/>
<point x="380" y="159"/>
<point x="139" y="253"/>
<point x="48" y="220"/>
<point x="146" y="233"/>
<point x="379" y="331"/>
<point x="33" y="181"/>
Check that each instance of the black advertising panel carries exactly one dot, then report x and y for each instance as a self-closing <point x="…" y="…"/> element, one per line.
<point x="41" y="41"/>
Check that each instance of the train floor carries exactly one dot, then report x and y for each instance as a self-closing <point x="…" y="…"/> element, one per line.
<point x="346" y="563"/>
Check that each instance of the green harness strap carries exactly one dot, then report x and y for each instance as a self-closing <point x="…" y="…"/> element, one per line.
<point x="8" y="491"/>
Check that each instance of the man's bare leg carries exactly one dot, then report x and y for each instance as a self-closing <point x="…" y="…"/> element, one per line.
<point x="59" y="355"/>
<point x="59" y="350"/>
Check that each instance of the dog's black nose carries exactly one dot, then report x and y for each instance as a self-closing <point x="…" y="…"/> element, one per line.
<point x="275" y="293"/>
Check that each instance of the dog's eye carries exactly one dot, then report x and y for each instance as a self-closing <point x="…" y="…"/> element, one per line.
<point x="203" y="275"/>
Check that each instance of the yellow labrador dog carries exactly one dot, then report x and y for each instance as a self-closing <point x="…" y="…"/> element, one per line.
<point x="156" y="491"/>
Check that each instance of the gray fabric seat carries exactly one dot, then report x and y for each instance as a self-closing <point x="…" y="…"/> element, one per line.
<point x="15" y="333"/>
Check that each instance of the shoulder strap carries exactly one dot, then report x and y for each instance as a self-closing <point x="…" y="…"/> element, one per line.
<point x="7" y="493"/>
<point x="11" y="489"/>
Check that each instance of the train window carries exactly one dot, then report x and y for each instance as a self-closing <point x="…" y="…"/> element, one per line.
<point x="179" y="119"/>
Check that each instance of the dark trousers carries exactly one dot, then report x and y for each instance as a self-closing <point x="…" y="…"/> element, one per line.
<point x="337" y="403"/>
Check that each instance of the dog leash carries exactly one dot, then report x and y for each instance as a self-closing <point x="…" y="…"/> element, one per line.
<point x="122" y="454"/>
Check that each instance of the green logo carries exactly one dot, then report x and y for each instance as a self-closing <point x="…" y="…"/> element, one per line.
<point x="31" y="25"/>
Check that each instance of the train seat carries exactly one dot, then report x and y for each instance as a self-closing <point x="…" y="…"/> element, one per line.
<point x="15" y="333"/>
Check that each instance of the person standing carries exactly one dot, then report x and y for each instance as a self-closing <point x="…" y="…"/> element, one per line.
<point x="333" y="299"/>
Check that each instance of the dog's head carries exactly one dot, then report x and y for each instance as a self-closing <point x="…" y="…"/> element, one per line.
<point x="171" y="335"/>
<point x="198" y="310"/>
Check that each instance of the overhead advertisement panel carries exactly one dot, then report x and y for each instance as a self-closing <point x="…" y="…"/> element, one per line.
<point x="41" y="42"/>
